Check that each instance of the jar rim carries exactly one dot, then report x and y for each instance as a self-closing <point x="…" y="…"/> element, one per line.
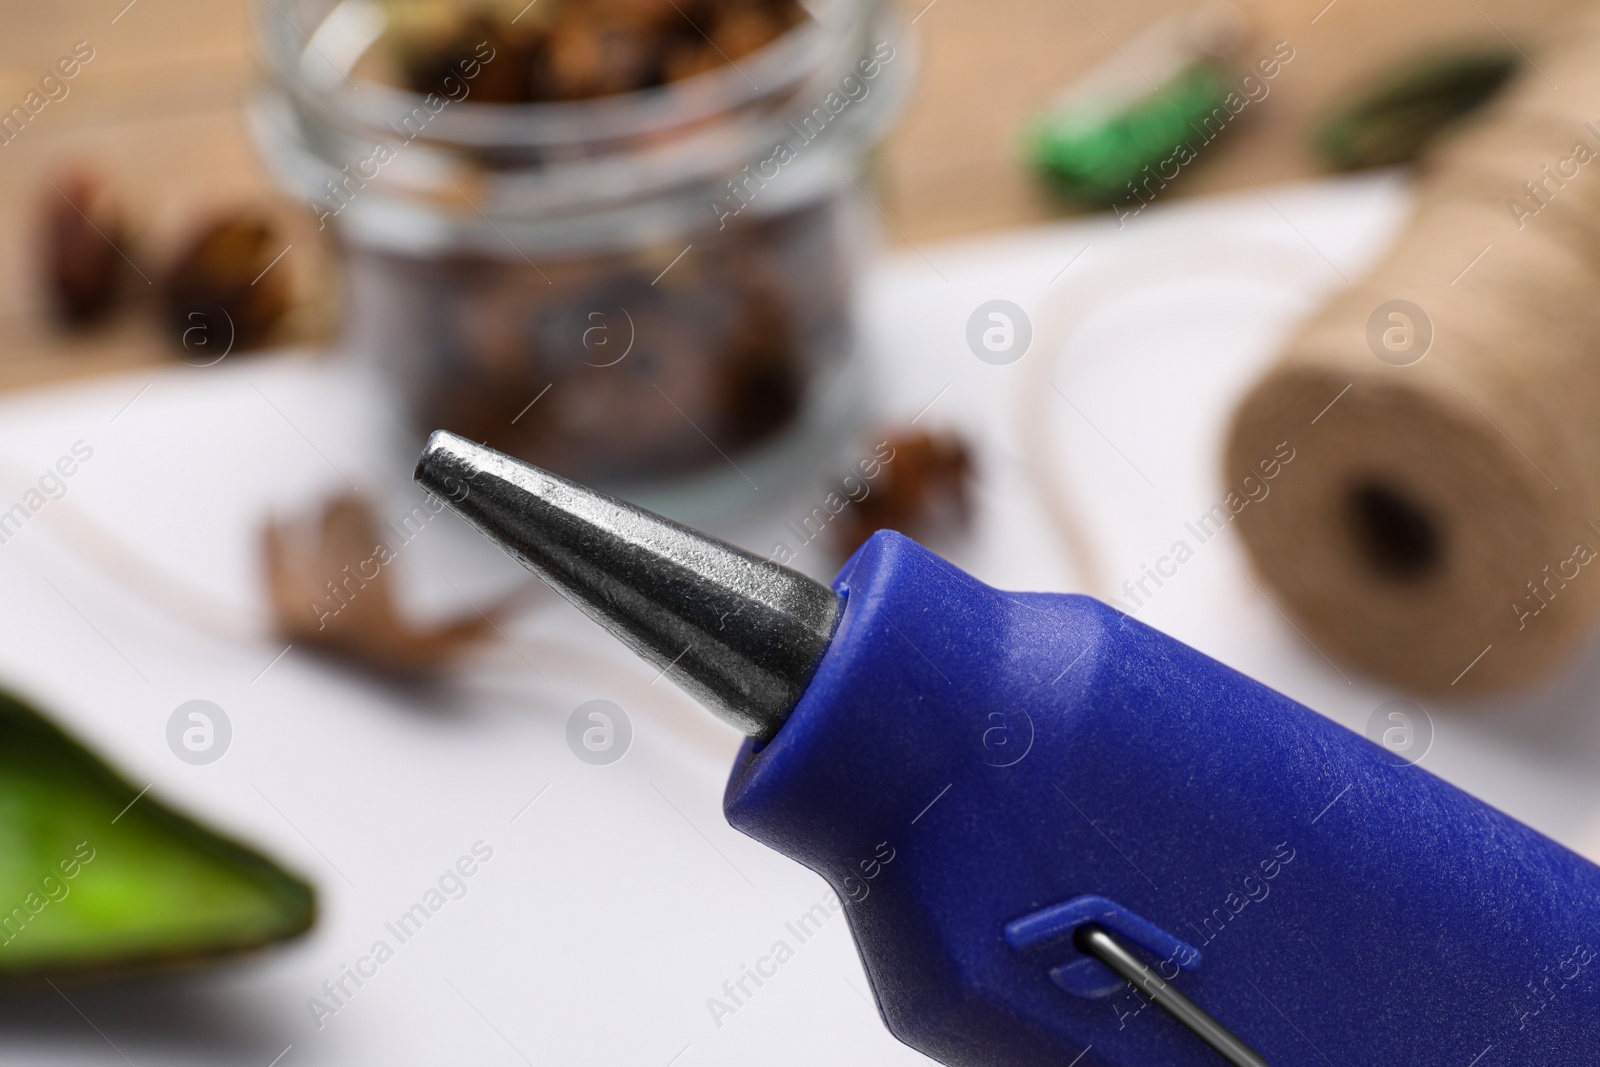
<point x="411" y="189"/>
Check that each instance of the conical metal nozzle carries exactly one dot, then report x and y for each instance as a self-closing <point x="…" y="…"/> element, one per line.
<point x="740" y="633"/>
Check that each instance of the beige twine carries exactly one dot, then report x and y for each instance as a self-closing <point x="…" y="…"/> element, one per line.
<point x="1440" y="526"/>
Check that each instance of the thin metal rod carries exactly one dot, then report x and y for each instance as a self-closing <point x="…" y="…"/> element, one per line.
<point x="1094" y="940"/>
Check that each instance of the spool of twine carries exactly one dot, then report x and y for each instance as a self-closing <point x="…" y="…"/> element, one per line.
<point x="1439" y="525"/>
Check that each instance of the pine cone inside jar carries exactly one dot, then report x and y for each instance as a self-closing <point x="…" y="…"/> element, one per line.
<point x="510" y="52"/>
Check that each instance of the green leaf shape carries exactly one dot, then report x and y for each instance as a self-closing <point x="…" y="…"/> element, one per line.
<point x="91" y="885"/>
<point x="1412" y="106"/>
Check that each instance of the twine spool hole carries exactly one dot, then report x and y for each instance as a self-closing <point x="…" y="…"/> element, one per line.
<point x="1394" y="534"/>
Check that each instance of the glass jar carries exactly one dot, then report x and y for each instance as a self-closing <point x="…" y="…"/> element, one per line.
<point x="641" y="290"/>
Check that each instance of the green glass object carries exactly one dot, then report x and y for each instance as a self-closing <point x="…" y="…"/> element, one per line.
<point x="94" y="883"/>
<point x="1402" y="114"/>
<point x="1096" y="156"/>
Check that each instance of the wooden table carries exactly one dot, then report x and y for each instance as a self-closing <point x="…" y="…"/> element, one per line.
<point x="159" y="111"/>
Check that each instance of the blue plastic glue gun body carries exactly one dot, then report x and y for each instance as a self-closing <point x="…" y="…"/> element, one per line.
<point x="1033" y="762"/>
<point x="1063" y="838"/>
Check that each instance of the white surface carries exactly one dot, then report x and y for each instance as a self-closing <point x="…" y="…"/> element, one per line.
<point x="619" y="902"/>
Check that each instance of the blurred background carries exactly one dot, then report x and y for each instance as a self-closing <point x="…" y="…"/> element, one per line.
<point x="1264" y="322"/>
<point x="161" y="112"/>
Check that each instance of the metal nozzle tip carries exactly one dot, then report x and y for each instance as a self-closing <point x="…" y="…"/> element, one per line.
<point x="741" y="633"/>
<point x="443" y="459"/>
